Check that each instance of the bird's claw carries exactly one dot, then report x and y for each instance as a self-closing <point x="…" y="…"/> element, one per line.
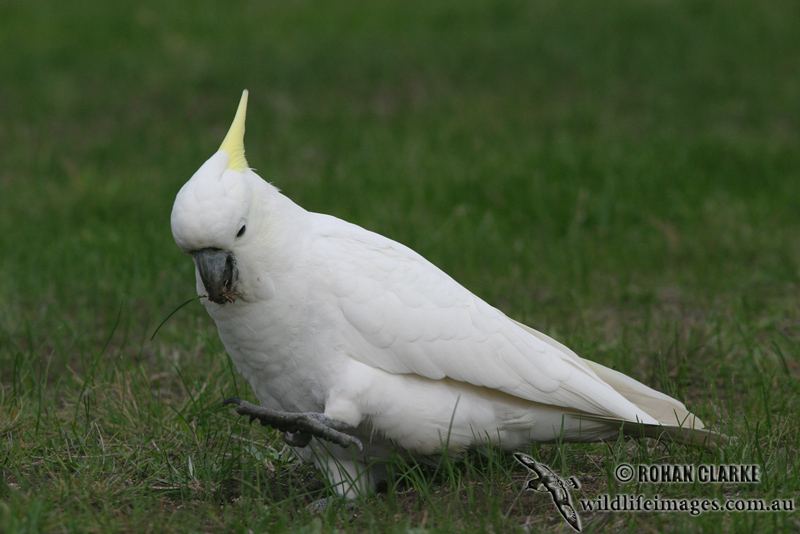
<point x="298" y="428"/>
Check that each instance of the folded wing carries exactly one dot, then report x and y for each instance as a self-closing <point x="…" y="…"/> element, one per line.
<point x="407" y="316"/>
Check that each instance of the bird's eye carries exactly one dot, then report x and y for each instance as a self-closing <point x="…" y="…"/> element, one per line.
<point x="241" y="231"/>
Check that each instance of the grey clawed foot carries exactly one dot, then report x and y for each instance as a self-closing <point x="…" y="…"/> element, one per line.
<point x="298" y="439"/>
<point x="298" y="428"/>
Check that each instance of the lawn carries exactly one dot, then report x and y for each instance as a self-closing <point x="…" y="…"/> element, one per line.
<point x="623" y="176"/>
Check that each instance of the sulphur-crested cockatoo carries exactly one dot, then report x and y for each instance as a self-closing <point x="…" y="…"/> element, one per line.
<point x="355" y="345"/>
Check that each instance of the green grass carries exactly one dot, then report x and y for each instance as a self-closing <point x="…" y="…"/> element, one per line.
<point x="624" y="176"/>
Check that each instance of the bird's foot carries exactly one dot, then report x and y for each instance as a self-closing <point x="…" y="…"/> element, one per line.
<point x="298" y="428"/>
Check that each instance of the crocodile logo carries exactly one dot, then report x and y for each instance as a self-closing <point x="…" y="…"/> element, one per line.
<point x="545" y="479"/>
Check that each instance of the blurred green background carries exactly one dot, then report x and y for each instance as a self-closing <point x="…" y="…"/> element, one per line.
<point x="621" y="175"/>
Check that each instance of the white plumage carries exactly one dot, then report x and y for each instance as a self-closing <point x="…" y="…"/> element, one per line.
<point x="320" y="315"/>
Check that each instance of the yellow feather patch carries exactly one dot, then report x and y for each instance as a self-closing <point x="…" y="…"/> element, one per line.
<point x="234" y="141"/>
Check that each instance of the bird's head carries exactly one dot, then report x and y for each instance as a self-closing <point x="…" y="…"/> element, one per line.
<point x="212" y="217"/>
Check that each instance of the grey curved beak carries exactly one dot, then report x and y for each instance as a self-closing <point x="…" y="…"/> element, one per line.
<point x="218" y="272"/>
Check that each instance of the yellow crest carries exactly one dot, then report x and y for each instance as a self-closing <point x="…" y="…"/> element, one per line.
<point x="234" y="141"/>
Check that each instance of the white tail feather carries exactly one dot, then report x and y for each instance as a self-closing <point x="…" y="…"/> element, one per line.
<point x="687" y="435"/>
<point x="661" y="407"/>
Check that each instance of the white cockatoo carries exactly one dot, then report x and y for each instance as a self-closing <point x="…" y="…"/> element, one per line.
<point x="356" y="346"/>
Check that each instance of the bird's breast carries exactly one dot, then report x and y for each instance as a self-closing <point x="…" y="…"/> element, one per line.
<point x="275" y="353"/>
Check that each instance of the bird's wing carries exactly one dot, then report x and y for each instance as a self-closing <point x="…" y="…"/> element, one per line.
<point x="405" y="315"/>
